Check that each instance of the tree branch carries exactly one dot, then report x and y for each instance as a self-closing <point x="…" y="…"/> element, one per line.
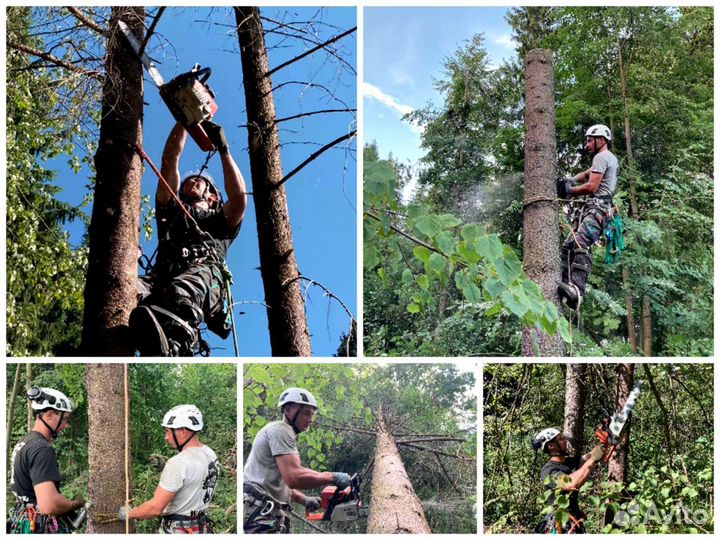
<point x="54" y="60"/>
<point x="80" y="16"/>
<point x="432" y="439"/>
<point x="309" y="52"/>
<point x="151" y="30"/>
<point x="346" y="428"/>
<point x="311" y="113"/>
<point x="327" y="292"/>
<point x="313" y="156"/>
<point x="436" y="452"/>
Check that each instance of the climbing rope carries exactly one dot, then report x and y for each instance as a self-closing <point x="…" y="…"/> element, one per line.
<point x="127" y="447"/>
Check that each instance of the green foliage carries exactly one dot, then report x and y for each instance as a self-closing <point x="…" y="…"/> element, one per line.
<point x="663" y="489"/>
<point x="415" y="399"/>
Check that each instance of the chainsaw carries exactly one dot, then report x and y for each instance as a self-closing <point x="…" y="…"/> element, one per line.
<point x="188" y="96"/>
<point x="340" y="505"/>
<point x="611" y="430"/>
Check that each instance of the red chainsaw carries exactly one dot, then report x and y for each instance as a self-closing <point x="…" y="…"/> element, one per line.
<point x="188" y="96"/>
<point x="340" y="505"/>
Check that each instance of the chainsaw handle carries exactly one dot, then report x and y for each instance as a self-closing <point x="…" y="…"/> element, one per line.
<point x="203" y="74"/>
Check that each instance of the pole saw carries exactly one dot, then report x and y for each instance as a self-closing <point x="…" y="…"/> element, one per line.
<point x="189" y="98"/>
<point x="612" y="429"/>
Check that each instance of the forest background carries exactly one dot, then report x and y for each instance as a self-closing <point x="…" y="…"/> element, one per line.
<point x="666" y="467"/>
<point x="154" y="389"/>
<point x="438" y="399"/>
<point x="443" y="236"/>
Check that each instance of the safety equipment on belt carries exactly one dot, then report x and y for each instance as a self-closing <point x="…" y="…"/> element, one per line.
<point x="599" y="130"/>
<point x="297" y="395"/>
<point x="544" y="437"/>
<point x="264" y="513"/>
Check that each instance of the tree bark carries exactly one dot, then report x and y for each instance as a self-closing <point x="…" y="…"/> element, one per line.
<point x="394" y="508"/>
<point x="646" y="326"/>
<point x="11" y="408"/>
<point x="575" y="378"/>
<point x="111" y="284"/>
<point x="105" y="385"/>
<point x="617" y="466"/>
<point x="541" y="227"/>
<point x="287" y="321"/>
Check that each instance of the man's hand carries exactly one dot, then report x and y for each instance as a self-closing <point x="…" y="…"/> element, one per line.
<point x="597" y="453"/>
<point x="123" y="512"/>
<point x="312" y="504"/>
<point x="341" y="480"/>
<point x="216" y="134"/>
<point x="79" y="501"/>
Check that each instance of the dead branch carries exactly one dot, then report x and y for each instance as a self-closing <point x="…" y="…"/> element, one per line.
<point x="311" y="113"/>
<point x="151" y="30"/>
<point x="80" y="16"/>
<point x="346" y="428"/>
<point x="309" y="52"/>
<point x="314" y="155"/>
<point x="328" y="293"/>
<point x="447" y="475"/>
<point x="436" y="452"/>
<point x="55" y="60"/>
<point x="433" y="439"/>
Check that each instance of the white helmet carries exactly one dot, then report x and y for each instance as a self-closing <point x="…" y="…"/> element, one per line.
<point x="183" y="416"/>
<point x="599" y="130"/>
<point x="48" y="398"/>
<point x="544" y="437"/>
<point x="297" y="395"/>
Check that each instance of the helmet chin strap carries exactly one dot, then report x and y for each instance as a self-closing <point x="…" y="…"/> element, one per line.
<point x="294" y="418"/>
<point x="54" y="434"/>
<point x="177" y="443"/>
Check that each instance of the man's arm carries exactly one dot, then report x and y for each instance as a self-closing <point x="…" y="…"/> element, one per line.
<point x="234" y="208"/>
<point x="590" y="186"/>
<point x="53" y="503"/>
<point x="153" y="507"/>
<point x="170" y="168"/>
<point x="297" y="477"/>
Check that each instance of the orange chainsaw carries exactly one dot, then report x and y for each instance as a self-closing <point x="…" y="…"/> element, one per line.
<point x="340" y="505"/>
<point x="188" y="96"/>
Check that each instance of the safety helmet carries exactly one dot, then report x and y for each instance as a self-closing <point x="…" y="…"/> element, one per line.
<point x="183" y="416"/>
<point x="297" y="395"/>
<point x="544" y="437"/>
<point x="48" y="398"/>
<point x="212" y="194"/>
<point x="599" y="130"/>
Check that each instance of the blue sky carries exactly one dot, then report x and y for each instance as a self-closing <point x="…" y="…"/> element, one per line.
<point x="419" y="38"/>
<point x="322" y="199"/>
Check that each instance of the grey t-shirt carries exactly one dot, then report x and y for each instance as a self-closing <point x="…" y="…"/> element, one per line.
<point x="607" y="164"/>
<point x="192" y="475"/>
<point x="275" y="439"/>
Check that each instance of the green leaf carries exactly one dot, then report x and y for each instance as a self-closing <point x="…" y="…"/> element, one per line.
<point x="513" y="305"/>
<point x="490" y="247"/>
<point x="422" y="253"/>
<point x="436" y="263"/>
<point x="371" y="257"/>
<point x="445" y="243"/>
<point x="423" y="282"/>
<point x="493" y="287"/>
<point x="413" y="308"/>
<point x="471" y="231"/>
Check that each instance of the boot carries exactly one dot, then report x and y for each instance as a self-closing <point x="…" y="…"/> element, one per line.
<point x="148" y="333"/>
<point x="182" y="336"/>
<point x="571" y="294"/>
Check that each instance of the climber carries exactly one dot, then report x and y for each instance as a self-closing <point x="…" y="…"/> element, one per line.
<point x="273" y="474"/>
<point x="187" y="284"/>
<point x="39" y="507"/>
<point x="188" y="480"/>
<point x="598" y="184"/>
<point x="566" y="473"/>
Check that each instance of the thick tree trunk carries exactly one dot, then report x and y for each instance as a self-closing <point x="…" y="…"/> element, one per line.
<point x="617" y="466"/>
<point x="575" y="379"/>
<point x="11" y="407"/>
<point x="541" y="228"/>
<point x="394" y="508"/>
<point x="111" y="284"/>
<point x="105" y="385"/>
<point x="646" y="326"/>
<point x="287" y="320"/>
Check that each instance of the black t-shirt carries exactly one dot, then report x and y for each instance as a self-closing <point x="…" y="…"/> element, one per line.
<point x="554" y="469"/>
<point x="176" y="231"/>
<point x="33" y="462"/>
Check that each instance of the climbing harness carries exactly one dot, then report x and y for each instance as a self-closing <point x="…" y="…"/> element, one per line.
<point x="192" y="524"/>
<point x="25" y="519"/>
<point x="265" y="513"/>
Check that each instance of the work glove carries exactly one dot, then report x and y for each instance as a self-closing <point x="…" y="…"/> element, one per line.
<point x="597" y="453"/>
<point x="312" y="504"/>
<point x="341" y="480"/>
<point x="563" y="188"/>
<point x="79" y="501"/>
<point x="216" y="134"/>
<point x="123" y="512"/>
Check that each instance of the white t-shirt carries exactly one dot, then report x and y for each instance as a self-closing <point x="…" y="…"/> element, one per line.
<point x="192" y="475"/>
<point x="275" y="439"/>
<point x="606" y="164"/>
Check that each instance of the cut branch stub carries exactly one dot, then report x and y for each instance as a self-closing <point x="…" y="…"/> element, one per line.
<point x="394" y="508"/>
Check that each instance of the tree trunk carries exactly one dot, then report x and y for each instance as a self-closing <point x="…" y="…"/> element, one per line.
<point x="575" y="378"/>
<point x="105" y="385"/>
<point x="617" y="466"/>
<point x="11" y="408"/>
<point x="111" y="284"/>
<point x="646" y="326"/>
<point x="663" y="410"/>
<point x="394" y="508"/>
<point x="630" y="316"/>
<point x="28" y="384"/>
<point x="287" y="320"/>
<point x="541" y="228"/>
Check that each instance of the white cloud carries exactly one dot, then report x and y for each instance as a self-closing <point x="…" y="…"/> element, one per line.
<point x="373" y="92"/>
<point x="506" y="41"/>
